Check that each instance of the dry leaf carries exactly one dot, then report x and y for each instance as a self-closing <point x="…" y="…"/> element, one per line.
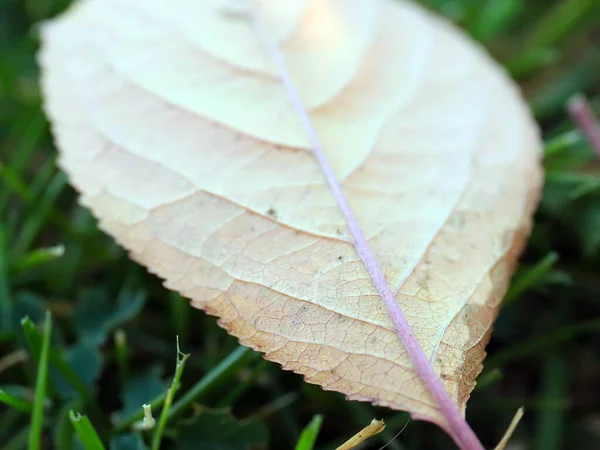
<point x="174" y="126"/>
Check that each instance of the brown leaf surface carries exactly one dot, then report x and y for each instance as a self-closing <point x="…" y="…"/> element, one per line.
<point x="174" y="127"/>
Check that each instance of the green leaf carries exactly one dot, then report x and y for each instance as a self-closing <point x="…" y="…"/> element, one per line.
<point x="130" y="441"/>
<point x="219" y="430"/>
<point x="309" y="434"/>
<point x="142" y="389"/>
<point x="96" y="316"/>
<point x="86" y="362"/>
<point x="86" y="432"/>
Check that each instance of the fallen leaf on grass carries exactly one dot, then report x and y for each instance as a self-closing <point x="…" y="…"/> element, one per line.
<point x="174" y="126"/>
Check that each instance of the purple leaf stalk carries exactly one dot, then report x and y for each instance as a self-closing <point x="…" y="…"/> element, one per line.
<point x="582" y="114"/>
<point x="458" y="428"/>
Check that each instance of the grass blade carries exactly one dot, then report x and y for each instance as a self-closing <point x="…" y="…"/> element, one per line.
<point x="37" y="416"/>
<point x="552" y="97"/>
<point x="563" y="142"/>
<point x="37" y="218"/>
<point x="488" y="378"/>
<point x="18" y="441"/>
<point x="542" y="342"/>
<point x="309" y="434"/>
<point x="6" y="306"/>
<point x="528" y="61"/>
<point x="15" y="402"/>
<point x="86" y="432"/>
<point x="526" y="279"/>
<point x="162" y="421"/>
<point x="226" y="369"/>
<point x="62" y="432"/>
<point x="237" y="359"/>
<point x="29" y="192"/>
<point x="554" y="387"/>
<point x="37" y="258"/>
<point x="34" y="339"/>
<point x="493" y="17"/>
<point x="121" y="354"/>
<point x="180" y="316"/>
<point x="29" y="139"/>
<point x="242" y="387"/>
<point x="10" y="421"/>
<point x="560" y="20"/>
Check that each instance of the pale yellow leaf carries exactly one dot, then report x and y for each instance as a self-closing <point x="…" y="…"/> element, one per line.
<point x="172" y="123"/>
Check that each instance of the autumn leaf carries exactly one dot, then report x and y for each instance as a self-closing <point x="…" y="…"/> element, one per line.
<point x="173" y="124"/>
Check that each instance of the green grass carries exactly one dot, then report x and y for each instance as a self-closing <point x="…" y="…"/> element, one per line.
<point x="113" y="325"/>
<point x="37" y="413"/>
<point x="166" y="409"/>
<point x="15" y="402"/>
<point x="85" y="432"/>
<point x="308" y="437"/>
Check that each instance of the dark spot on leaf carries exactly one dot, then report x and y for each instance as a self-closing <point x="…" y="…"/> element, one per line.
<point x="271" y="212"/>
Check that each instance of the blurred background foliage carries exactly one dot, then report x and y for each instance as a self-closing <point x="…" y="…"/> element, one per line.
<point x="112" y="346"/>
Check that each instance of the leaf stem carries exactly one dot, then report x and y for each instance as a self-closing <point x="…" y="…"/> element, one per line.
<point x="162" y="421"/>
<point x="457" y="427"/>
<point x="583" y="115"/>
